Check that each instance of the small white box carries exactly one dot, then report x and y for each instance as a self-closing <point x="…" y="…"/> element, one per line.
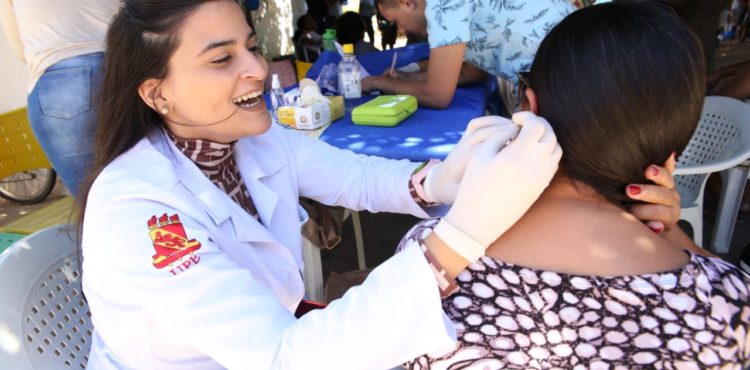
<point x="308" y="117"/>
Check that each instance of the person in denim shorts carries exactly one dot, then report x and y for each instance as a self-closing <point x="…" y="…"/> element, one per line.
<point x="62" y="43"/>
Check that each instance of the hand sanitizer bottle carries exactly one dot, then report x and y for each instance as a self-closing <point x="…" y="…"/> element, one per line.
<point x="349" y="79"/>
<point x="277" y="96"/>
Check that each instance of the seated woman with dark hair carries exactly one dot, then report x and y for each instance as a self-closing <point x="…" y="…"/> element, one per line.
<point x="578" y="281"/>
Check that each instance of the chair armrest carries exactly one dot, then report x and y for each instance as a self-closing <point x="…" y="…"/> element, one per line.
<point x="709" y="168"/>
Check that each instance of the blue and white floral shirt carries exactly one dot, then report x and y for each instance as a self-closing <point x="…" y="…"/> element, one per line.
<point x="501" y="36"/>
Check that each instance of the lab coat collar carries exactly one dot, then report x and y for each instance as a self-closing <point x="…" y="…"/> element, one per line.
<point x="258" y="159"/>
<point x="217" y="204"/>
<point x="259" y="155"/>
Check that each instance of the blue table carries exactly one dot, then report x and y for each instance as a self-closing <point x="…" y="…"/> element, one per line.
<point x="428" y="133"/>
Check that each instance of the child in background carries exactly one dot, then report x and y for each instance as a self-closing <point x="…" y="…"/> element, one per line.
<point x="350" y="29"/>
<point x="307" y="41"/>
<point x="306" y="32"/>
<point x="388" y="32"/>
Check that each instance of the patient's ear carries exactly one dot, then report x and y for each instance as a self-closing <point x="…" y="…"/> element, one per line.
<point x="528" y="102"/>
<point x="408" y="4"/>
<point x="671" y="163"/>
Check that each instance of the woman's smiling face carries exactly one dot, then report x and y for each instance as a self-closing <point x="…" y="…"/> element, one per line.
<point x="215" y="76"/>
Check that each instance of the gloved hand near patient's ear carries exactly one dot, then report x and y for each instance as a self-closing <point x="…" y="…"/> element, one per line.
<point x="499" y="185"/>
<point x="441" y="184"/>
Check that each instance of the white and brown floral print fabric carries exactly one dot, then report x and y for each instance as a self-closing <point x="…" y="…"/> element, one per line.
<point x="512" y="317"/>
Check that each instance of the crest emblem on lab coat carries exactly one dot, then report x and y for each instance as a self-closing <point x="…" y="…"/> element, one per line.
<point x="170" y="240"/>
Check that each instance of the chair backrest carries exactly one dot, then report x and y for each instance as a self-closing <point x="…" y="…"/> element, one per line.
<point x="721" y="141"/>
<point x="19" y="150"/>
<point x="302" y="68"/>
<point x="44" y="321"/>
<point x="285" y="69"/>
<point x="307" y="53"/>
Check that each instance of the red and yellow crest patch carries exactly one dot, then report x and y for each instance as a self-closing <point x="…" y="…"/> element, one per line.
<point x="171" y="243"/>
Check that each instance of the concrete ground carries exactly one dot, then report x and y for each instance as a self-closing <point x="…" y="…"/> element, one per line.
<point x="10" y="211"/>
<point x="383" y="231"/>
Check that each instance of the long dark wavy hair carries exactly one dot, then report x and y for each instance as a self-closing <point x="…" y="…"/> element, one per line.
<point x="622" y="84"/>
<point x="140" y="41"/>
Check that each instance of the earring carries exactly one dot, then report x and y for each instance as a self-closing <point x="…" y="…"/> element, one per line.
<point x="164" y="110"/>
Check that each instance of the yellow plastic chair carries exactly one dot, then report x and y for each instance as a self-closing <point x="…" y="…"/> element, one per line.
<point x="302" y="68"/>
<point x="26" y="176"/>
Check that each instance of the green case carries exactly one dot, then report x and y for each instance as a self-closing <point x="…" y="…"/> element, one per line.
<point x="385" y="110"/>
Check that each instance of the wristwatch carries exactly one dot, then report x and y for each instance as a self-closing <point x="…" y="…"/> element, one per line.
<point x="416" y="183"/>
<point x="446" y="285"/>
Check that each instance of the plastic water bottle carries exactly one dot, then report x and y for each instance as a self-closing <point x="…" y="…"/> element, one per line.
<point x="349" y="79"/>
<point x="329" y="39"/>
<point x="277" y="96"/>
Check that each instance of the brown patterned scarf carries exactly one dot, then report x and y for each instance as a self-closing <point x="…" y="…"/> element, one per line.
<point x="216" y="161"/>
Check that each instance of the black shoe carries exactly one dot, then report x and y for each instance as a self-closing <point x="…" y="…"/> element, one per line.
<point x="745" y="259"/>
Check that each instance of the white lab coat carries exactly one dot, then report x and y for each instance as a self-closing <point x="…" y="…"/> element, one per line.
<point x="230" y="304"/>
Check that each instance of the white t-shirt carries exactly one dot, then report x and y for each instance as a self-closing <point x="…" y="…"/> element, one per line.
<point x="51" y="31"/>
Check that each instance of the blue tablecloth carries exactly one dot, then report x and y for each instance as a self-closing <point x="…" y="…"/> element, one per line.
<point x="428" y="133"/>
<point x="376" y="62"/>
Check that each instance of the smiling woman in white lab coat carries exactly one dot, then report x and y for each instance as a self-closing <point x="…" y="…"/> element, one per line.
<point x="191" y="232"/>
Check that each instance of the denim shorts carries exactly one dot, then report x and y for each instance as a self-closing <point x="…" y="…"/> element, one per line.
<point x="62" y="116"/>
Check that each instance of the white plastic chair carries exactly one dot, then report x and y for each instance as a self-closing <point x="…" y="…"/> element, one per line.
<point x="307" y="53"/>
<point x="44" y="321"/>
<point x="720" y="143"/>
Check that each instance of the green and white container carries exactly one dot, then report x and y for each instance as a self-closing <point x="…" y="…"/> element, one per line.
<point x="385" y="110"/>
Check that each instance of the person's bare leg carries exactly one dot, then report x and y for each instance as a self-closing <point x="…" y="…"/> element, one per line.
<point x="742" y="35"/>
<point x="738" y="86"/>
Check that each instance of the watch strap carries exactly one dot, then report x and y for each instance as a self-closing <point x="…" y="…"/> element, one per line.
<point x="416" y="183"/>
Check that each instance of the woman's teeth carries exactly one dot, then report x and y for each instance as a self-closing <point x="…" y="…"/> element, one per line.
<point x="248" y="100"/>
<point x="249" y="103"/>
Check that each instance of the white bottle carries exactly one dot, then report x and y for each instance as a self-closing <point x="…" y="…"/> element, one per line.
<point x="349" y="79"/>
<point x="276" y="95"/>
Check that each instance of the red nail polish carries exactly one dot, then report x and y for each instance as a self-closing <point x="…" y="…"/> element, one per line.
<point x="654" y="170"/>
<point x="634" y="189"/>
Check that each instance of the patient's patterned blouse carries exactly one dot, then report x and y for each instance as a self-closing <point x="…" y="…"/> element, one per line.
<point x="513" y="317"/>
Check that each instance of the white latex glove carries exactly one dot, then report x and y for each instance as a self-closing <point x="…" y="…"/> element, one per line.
<point x="441" y="183"/>
<point x="500" y="185"/>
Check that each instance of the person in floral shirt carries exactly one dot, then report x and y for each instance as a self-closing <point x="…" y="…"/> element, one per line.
<point x="494" y="37"/>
